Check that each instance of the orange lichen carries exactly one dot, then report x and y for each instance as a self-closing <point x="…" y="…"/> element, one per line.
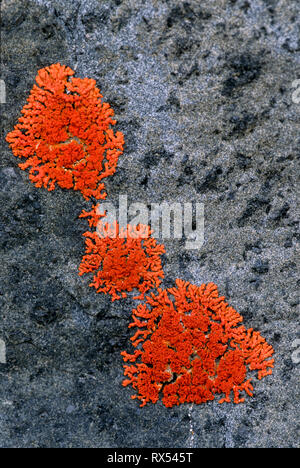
<point x="65" y="135"/>
<point x="123" y="259"/>
<point x="94" y="216"/>
<point x="190" y="346"/>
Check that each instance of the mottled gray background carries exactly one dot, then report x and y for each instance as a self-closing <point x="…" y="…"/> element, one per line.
<point x="203" y="93"/>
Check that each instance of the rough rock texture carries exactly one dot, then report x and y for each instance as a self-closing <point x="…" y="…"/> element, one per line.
<point x="203" y="94"/>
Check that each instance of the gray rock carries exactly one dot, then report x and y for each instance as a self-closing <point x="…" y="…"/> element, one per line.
<point x="203" y="94"/>
<point x="2" y="352"/>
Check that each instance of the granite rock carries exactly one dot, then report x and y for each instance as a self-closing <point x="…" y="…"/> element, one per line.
<point x="203" y="94"/>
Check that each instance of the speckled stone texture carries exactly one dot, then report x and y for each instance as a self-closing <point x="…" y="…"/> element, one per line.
<point x="203" y="94"/>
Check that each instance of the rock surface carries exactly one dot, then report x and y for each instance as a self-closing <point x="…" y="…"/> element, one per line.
<point x="203" y="93"/>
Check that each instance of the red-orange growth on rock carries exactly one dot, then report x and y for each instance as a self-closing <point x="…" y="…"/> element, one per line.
<point x="190" y="346"/>
<point x="65" y="134"/>
<point x="122" y="259"/>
